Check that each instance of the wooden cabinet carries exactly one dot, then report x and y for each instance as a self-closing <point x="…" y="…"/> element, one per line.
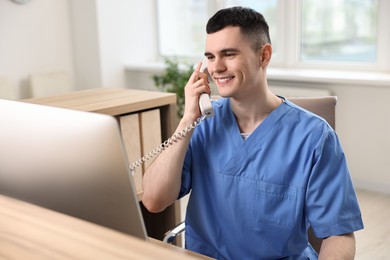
<point x="146" y="118"/>
<point x="130" y="129"/>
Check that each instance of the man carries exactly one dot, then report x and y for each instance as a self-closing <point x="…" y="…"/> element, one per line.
<point x="261" y="170"/>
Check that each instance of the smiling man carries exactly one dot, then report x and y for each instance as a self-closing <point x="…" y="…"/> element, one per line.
<point x="258" y="169"/>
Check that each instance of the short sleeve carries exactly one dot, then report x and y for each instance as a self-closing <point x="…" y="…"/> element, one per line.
<point x="331" y="203"/>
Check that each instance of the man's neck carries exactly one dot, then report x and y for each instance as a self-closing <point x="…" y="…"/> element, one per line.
<point x="252" y="111"/>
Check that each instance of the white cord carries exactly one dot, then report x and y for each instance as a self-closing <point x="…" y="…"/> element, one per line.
<point x="174" y="138"/>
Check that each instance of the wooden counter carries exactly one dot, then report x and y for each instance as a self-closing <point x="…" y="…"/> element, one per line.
<point x="31" y="232"/>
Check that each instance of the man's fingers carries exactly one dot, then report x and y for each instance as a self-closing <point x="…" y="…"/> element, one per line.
<point x="195" y="74"/>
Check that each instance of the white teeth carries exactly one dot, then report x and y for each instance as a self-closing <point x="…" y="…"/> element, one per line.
<point x="224" y="80"/>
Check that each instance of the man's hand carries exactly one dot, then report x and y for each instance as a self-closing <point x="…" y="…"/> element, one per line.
<point x="196" y="85"/>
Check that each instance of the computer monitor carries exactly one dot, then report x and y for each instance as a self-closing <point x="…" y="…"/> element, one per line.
<point x="69" y="161"/>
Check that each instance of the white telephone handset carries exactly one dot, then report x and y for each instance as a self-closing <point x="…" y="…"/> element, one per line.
<point x="204" y="100"/>
<point x="205" y="105"/>
<point x="205" y="108"/>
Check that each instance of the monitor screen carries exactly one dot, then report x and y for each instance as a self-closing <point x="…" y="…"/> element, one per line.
<point x="70" y="161"/>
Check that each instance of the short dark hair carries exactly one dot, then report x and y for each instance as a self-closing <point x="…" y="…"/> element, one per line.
<point x="252" y="24"/>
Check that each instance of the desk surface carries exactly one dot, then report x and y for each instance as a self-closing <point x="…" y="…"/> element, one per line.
<point x="31" y="232"/>
<point x="111" y="101"/>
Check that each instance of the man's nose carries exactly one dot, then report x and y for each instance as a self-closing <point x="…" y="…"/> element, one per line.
<point x="218" y="65"/>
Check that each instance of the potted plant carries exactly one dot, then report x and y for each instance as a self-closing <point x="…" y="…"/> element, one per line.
<point x="173" y="79"/>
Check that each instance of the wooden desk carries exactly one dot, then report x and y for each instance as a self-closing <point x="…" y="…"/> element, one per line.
<point x="31" y="232"/>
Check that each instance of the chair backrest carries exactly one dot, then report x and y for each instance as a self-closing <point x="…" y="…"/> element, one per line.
<point x="325" y="107"/>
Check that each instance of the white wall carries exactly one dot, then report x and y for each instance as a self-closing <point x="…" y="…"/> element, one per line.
<point x="126" y="33"/>
<point x="91" y="40"/>
<point x="364" y="127"/>
<point x="34" y="38"/>
<point x="106" y="35"/>
<point x="83" y="20"/>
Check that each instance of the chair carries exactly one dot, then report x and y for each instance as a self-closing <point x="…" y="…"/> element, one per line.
<point x="322" y="106"/>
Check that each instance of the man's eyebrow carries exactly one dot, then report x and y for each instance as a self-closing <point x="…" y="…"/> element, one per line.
<point x="222" y="51"/>
<point x="229" y="50"/>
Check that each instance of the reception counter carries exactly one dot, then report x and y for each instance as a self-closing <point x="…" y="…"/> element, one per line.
<point x="31" y="232"/>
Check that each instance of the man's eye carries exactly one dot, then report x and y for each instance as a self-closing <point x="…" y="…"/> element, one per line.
<point x="230" y="55"/>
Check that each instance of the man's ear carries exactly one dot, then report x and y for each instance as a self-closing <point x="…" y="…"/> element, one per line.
<point x="266" y="54"/>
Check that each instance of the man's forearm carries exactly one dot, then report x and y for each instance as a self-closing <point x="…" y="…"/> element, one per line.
<point x="162" y="180"/>
<point x="338" y="247"/>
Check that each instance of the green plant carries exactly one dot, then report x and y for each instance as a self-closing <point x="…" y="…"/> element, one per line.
<point x="173" y="79"/>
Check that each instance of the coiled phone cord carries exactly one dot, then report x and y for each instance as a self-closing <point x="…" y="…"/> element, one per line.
<point x="174" y="138"/>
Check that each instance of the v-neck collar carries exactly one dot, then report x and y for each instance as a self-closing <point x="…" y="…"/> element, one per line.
<point x="245" y="149"/>
<point x="260" y="131"/>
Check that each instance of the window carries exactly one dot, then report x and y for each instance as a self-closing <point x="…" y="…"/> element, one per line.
<point x="181" y="27"/>
<point x="327" y="34"/>
<point x="337" y="30"/>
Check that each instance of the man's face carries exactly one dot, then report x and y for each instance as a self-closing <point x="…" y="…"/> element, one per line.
<point x="232" y="63"/>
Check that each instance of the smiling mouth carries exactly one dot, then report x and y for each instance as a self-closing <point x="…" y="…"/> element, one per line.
<point x="224" y="80"/>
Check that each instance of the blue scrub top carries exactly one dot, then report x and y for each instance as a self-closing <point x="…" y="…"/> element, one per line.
<point x="255" y="199"/>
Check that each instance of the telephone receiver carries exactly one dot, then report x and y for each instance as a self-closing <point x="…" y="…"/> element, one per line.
<point x="205" y="106"/>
